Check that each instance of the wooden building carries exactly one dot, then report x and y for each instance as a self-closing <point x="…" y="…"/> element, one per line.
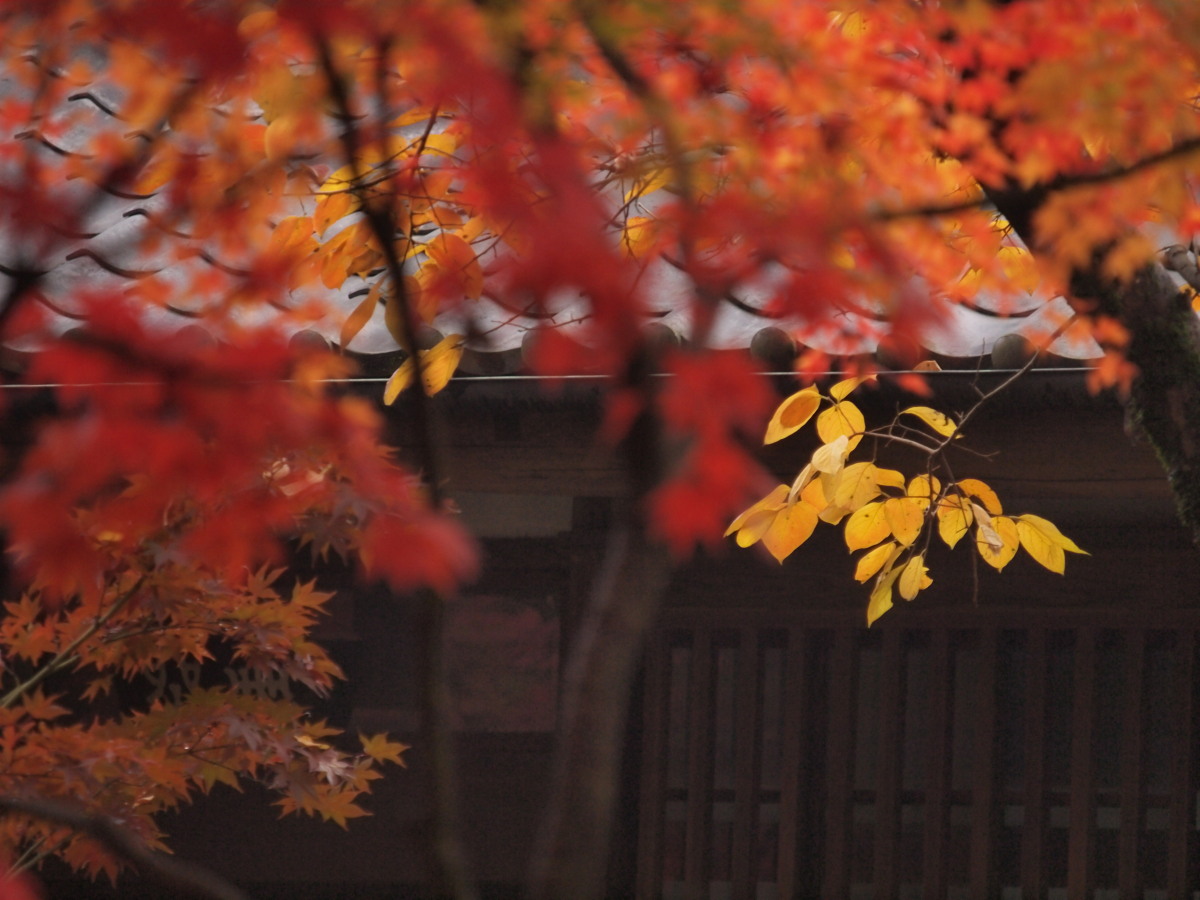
<point x="1012" y="735"/>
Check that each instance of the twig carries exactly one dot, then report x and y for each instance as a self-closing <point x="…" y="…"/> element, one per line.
<point x="66" y="656"/>
<point x="1002" y="386"/>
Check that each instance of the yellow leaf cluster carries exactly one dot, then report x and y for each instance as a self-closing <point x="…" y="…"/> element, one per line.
<point x="889" y="517"/>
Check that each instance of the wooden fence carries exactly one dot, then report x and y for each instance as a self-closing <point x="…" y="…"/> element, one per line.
<point x="1005" y="755"/>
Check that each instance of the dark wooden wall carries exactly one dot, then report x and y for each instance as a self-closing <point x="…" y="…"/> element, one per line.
<point x="740" y="625"/>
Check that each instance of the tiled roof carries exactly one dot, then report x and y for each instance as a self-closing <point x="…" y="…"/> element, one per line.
<point x="107" y="248"/>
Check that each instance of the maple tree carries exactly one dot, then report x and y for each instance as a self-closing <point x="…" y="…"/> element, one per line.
<point x="802" y="161"/>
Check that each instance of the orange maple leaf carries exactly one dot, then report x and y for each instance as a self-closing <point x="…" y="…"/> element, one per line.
<point x="380" y="749"/>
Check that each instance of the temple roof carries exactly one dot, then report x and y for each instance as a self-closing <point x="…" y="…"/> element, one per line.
<point x="115" y="243"/>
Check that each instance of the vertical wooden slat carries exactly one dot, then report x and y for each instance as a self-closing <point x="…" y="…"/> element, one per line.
<point x="794" y="669"/>
<point x="654" y="766"/>
<point x="747" y="765"/>
<point x="1128" y="870"/>
<point x="838" y="766"/>
<point x="887" y="786"/>
<point x="1033" y="829"/>
<point x="1082" y="814"/>
<point x="937" y="772"/>
<point x="700" y="761"/>
<point x="1180" y="861"/>
<point x="982" y="769"/>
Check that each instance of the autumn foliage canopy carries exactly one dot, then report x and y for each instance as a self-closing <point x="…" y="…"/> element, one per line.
<point x="338" y="165"/>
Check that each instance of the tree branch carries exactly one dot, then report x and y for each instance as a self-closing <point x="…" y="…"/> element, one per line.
<point x="182" y="878"/>
<point x="1164" y="332"/>
<point x="66" y="655"/>
<point x="1060" y="182"/>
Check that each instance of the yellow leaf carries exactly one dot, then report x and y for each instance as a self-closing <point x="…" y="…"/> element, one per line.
<point x="889" y="478"/>
<point x="803" y="480"/>
<point x="472" y="228"/>
<point x="360" y="317"/>
<point x="440" y="362"/>
<point x="996" y="538"/>
<point x="830" y="458"/>
<point x="905" y="517"/>
<point x="280" y="137"/>
<point x="793" y="525"/>
<point x="914" y="577"/>
<point x="333" y="268"/>
<point x="856" y="485"/>
<point x="639" y="235"/>
<point x="872" y="561"/>
<point x="437" y="366"/>
<point x="291" y="232"/>
<point x="881" y="596"/>
<point x="853" y="482"/>
<point x="443" y="143"/>
<point x="814" y="494"/>
<point x="791" y="415"/>
<point x="343" y="179"/>
<point x="1019" y="267"/>
<point x="1044" y="542"/>
<point x="400" y="380"/>
<point x="412" y="117"/>
<point x="330" y="208"/>
<point x="984" y="529"/>
<point x="773" y="500"/>
<point x="954" y="519"/>
<point x="351" y="251"/>
<point x="1044" y="551"/>
<point x="1050" y="530"/>
<point x="756" y="526"/>
<point x="843" y="388"/>
<point x="926" y="487"/>
<point x="649" y="183"/>
<point x="831" y="515"/>
<point x="867" y="526"/>
<point x="973" y="487"/>
<point x="852" y="25"/>
<point x="842" y="418"/>
<point x="939" y="422"/>
<point x="860" y="483"/>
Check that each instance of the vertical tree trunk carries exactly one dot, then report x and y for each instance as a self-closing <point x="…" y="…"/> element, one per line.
<point x="572" y="849"/>
<point x="571" y="852"/>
